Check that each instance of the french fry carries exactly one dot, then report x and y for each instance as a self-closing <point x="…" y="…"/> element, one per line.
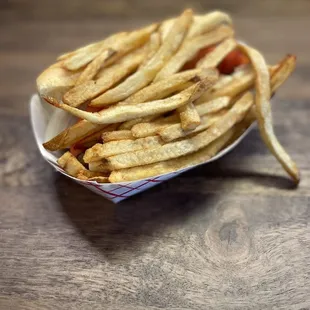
<point x="148" y="129"/>
<point x="117" y="135"/>
<point x="155" y="169"/>
<point x="99" y="166"/>
<point x="116" y="42"/>
<point x="190" y="48"/>
<point x="92" y="69"/>
<point x="263" y="112"/>
<point x="175" y="131"/>
<point x="121" y="113"/>
<point x="213" y="105"/>
<point x="201" y="24"/>
<point x="241" y="81"/>
<point x="106" y="78"/>
<point x="146" y="73"/>
<point x="79" y="58"/>
<point x="55" y="81"/>
<point x="213" y="58"/>
<point x="129" y="124"/>
<point x="186" y="146"/>
<point x="101" y="151"/>
<point x="72" y="134"/>
<point x="70" y="164"/>
<point x="96" y="137"/>
<point x="189" y="116"/>
<point x="172" y="84"/>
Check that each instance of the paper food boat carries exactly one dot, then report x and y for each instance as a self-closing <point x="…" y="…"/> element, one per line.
<point x="41" y="114"/>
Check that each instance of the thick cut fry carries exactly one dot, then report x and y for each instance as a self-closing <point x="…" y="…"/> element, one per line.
<point x="187" y="146"/>
<point x="123" y="113"/>
<point x="201" y="24"/>
<point x="70" y="164"/>
<point x="117" y="135"/>
<point x="175" y="131"/>
<point x="190" y="48"/>
<point x="213" y="58"/>
<point x="151" y="128"/>
<point x="263" y="112"/>
<point x="116" y="42"/>
<point x="155" y="169"/>
<point x="106" y="79"/>
<point x="99" y="166"/>
<point x="129" y="124"/>
<point x="101" y="151"/>
<point x="72" y="135"/>
<point x="189" y="116"/>
<point x="172" y="84"/>
<point x="55" y="81"/>
<point x="208" y="22"/>
<point x="241" y="81"/>
<point x="146" y="73"/>
<point x="213" y="105"/>
<point x="92" y="69"/>
<point x="81" y="57"/>
<point x="95" y="137"/>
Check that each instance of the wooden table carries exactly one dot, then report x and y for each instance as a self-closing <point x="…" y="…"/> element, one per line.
<point x="230" y="235"/>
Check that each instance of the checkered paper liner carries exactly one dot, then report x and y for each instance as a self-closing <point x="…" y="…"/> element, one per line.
<point x="44" y="128"/>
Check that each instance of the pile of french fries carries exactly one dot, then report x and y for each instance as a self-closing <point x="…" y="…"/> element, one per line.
<point x="161" y="98"/>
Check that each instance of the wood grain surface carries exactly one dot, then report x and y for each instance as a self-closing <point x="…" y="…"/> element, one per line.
<point x="234" y="234"/>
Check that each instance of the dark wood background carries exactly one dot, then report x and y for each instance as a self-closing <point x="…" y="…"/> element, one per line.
<point x="231" y="235"/>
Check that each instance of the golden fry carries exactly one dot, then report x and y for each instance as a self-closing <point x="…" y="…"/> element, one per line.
<point x="175" y="131"/>
<point x="106" y="79"/>
<point x="146" y="73"/>
<point x="187" y="146"/>
<point x="117" y="135"/>
<point x="172" y="84"/>
<point x="101" y="151"/>
<point x="99" y="166"/>
<point x="92" y="69"/>
<point x="263" y="112"/>
<point x="155" y="169"/>
<point x="213" y="58"/>
<point x="70" y="164"/>
<point x="148" y="129"/>
<point x="121" y="113"/>
<point x="190" y="48"/>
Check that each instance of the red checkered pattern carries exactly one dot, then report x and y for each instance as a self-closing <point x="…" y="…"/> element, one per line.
<point x="118" y="191"/>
